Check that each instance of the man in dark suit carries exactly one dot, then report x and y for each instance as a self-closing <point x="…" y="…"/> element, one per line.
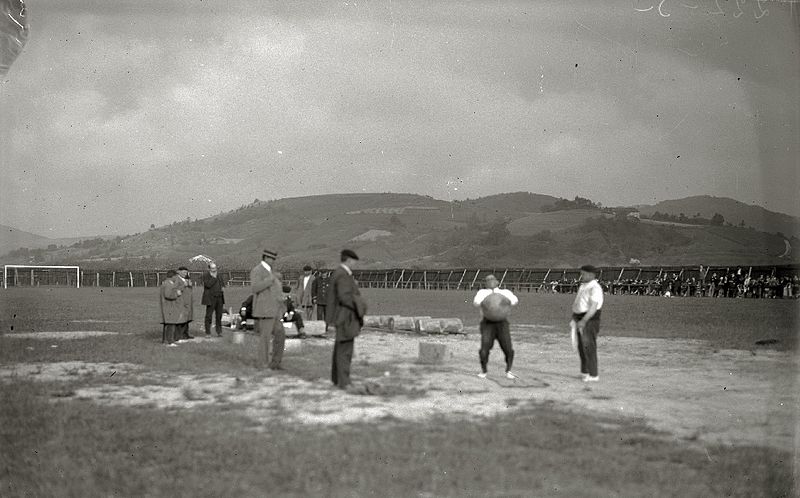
<point x="304" y="293"/>
<point x="213" y="299"/>
<point x="267" y="290"/>
<point x="319" y="292"/>
<point x="345" y="316"/>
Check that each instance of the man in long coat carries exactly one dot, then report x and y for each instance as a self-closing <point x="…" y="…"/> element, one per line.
<point x="267" y="290"/>
<point x="185" y="286"/>
<point x="173" y="311"/>
<point x="213" y="299"/>
<point x="345" y="316"/>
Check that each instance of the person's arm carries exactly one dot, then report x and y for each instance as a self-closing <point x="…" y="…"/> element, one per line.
<point x="171" y="291"/>
<point x="261" y="282"/>
<point x="479" y="297"/>
<point x="510" y="296"/>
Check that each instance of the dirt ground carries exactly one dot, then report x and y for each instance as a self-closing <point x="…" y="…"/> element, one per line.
<point x="680" y="387"/>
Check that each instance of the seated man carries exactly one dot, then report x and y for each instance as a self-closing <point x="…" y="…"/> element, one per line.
<point x="290" y="316"/>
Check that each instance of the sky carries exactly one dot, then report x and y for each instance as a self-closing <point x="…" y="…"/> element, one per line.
<point x="118" y="115"/>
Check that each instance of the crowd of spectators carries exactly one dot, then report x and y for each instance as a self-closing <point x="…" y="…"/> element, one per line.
<point x="733" y="284"/>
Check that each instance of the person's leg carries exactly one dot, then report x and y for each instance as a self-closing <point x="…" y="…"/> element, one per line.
<point x="207" y="322"/>
<point x="320" y="312"/>
<point x="582" y="354"/>
<point x="263" y="327"/>
<point x="504" y="338"/>
<point x="335" y="363"/>
<point x="169" y="332"/>
<point x="487" y="341"/>
<point x="298" y="322"/>
<point x="218" y="304"/>
<point x="590" y="346"/>
<point x="344" y="356"/>
<point x="278" y="342"/>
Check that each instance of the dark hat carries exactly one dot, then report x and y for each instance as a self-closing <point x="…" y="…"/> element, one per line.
<point x="182" y="268"/>
<point x="347" y="253"/>
<point x="287" y="288"/>
<point x="270" y="254"/>
<point x="307" y="268"/>
<point x="589" y="269"/>
<point x="171" y="273"/>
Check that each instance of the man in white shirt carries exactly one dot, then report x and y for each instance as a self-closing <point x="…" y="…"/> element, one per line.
<point x="586" y="315"/>
<point x="304" y="295"/>
<point x="491" y="330"/>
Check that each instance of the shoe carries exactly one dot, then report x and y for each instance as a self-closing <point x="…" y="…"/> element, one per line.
<point x="589" y="378"/>
<point x="510" y="375"/>
<point x="188" y="337"/>
<point x="276" y="368"/>
<point x="482" y="375"/>
<point x="584" y="376"/>
<point x="172" y="345"/>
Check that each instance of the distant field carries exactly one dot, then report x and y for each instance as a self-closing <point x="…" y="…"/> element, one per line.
<point x="553" y="221"/>
<point x="123" y="415"/>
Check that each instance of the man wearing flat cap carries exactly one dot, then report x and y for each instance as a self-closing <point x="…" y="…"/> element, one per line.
<point x="267" y="292"/>
<point x="586" y="315"/>
<point x="305" y="297"/>
<point x="345" y="315"/>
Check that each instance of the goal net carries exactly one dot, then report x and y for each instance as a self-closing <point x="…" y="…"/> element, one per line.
<point x="35" y="276"/>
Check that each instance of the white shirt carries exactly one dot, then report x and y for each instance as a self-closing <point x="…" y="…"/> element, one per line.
<point x="266" y="265"/>
<point x="588" y="293"/>
<point x="484" y="293"/>
<point x="306" y="278"/>
<point x="348" y="270"/>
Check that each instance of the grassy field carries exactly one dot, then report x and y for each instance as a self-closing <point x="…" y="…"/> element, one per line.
<point x="55" y="445"/>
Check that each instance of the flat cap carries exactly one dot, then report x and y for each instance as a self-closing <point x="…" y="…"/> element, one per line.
<point x="182" y="268"/>
<point x="307" y="268"/>
<point x="589" y="269"/>
<point x="347" y="253"/>
<point x="270" y="254"/>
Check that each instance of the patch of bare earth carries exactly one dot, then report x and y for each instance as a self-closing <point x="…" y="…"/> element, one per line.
<point x="681" y="387"/>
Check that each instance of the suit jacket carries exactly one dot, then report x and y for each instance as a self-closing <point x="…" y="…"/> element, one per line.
<point x="305" y="294"/>
<point x="212" y="289"/>
<point x="267" y="293"/>
<point x="346" y="307"/>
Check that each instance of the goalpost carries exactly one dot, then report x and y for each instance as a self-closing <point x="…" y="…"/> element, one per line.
<point x="36" y="275"/>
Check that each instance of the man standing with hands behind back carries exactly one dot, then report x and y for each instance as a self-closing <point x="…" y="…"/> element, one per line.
<point x="267" y="310"/>
<point x="586" y="315"/>
<point x="213" y="299"/>
<point x="344" y="315"/>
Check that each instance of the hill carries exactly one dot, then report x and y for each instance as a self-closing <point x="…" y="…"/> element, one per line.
<point x="735" y="212"/>
<point x="12" y="238"/>
<point x="407" y="230"/>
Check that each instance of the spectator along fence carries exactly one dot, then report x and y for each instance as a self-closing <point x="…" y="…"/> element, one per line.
<point x="642" y="280"/>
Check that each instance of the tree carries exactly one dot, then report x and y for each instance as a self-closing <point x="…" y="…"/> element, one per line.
<point x="717" y="220"/>
<point x="152" y="226"/>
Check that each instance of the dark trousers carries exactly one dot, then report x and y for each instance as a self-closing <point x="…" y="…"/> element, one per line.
<point x="272" y="336"/>
<point x="170" y="333"/>
<point x="320" y="312"/>
<point x="182" y="331"/>
<point x="587" y="343"/>
<point x="215" y="309"/>
<point x="342" y="357"/>
<point x="499" y="331"/>
<point x="297" y="319"/>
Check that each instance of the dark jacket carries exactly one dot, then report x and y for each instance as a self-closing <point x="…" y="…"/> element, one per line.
<point x="319" y="290"/>
<point x="346" y="307"/>
<point x="212" y="289"/>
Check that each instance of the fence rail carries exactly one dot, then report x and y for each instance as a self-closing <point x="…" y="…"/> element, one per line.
<point x="517" y="279"/>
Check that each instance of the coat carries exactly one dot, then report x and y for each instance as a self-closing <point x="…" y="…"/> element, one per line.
<point x="345" y="307"/>
<point x="305" y="294"/>
<point x="319" y="290"/>
<point x="212" y="289"/>
<point x="185" y="286"/>
<point x="172" y="308"/>
<point x="267" y="293"/>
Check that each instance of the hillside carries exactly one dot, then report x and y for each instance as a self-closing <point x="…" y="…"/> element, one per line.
<point x="735" y="212"/>
<point x="12" y="238"/>
<point x="394" y="230"/>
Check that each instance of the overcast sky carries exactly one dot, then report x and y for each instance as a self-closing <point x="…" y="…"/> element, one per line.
<point x="119" y="114"/>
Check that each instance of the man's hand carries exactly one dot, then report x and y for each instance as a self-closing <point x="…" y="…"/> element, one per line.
<point x="180" y="292"/>
<point x="581" y="326"/>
